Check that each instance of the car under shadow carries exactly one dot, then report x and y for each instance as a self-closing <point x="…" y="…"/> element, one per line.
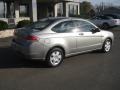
<point x="9" y="59"/>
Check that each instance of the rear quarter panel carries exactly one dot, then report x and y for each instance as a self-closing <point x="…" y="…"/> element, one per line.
<point x="64" y="40"/>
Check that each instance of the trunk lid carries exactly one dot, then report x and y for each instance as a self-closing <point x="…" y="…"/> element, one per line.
<point x="20" y="34"/>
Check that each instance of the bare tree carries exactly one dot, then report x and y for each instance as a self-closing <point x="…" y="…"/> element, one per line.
<point x="85" y="8"/>
<point x="102" y="6"/>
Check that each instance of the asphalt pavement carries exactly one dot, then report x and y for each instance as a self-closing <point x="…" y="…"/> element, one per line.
<point x="89" y="71"/>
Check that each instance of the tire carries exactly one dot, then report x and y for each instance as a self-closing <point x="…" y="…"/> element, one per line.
<point x="54" y="57"/>
<point x="105" y="26"/>
<point x="107" y="46"/>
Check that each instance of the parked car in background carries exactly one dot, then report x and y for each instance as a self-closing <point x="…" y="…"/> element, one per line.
<point x="116" y="17"/>
<point x="52" y="39"/>
<point x="105" y="21"/>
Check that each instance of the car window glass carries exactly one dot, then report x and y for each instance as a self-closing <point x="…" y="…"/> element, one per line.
<point x="40" y="24"/>
<point x="109" y="17"/>
<point x="114" y="16"/>
<point x="66" y="26"/>
<point x="84" y="26"/>
<point x="94" y="18"/>
<point x="105" y="17"/>
<point x="98" y="18"/>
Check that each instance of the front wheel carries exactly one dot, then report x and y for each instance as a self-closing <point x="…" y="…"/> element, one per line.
<point x="54" y="57"/>
<point x="107" y="46"/>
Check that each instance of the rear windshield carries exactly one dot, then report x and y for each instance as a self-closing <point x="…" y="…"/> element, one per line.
<point x="42" y="24"/>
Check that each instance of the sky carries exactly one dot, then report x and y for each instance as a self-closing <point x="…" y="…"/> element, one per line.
<point x="114" y="2"/>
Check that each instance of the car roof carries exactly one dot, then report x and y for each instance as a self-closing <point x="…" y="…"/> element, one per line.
<point x="60" y="18"/>
<point x="53" y="18"/>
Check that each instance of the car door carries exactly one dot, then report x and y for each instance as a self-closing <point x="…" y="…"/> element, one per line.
<point x="65" y="36"/>
<point x="86" y="39"/>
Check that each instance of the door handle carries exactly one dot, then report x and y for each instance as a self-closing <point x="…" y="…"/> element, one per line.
<point x="81" y="34"/>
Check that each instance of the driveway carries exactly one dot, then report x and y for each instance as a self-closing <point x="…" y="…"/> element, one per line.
<point x="90" y="71"/>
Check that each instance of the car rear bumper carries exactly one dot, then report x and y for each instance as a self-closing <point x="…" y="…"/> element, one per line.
<point x="28" y="53"/>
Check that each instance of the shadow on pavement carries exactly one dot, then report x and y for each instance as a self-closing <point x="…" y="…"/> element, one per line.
<point x="9" y="59"/>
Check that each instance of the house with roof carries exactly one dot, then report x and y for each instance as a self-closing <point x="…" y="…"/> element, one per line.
<point x="13" y="11"/>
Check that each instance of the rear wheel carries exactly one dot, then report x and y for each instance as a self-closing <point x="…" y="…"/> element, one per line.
<point x="107" y="46"/>
<point x="54" y="57"/>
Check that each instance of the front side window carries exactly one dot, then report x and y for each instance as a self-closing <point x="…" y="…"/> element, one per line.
<point x="64" y="27"/>
<point x="84" y="26"/>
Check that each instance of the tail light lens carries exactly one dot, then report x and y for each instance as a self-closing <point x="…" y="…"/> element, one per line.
<point x="31" y="38"/>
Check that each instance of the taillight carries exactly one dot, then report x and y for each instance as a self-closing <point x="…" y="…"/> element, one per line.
<point x="31" y="38"/>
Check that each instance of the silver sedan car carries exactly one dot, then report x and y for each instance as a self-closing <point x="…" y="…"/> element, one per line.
<point x="52" y="39"/>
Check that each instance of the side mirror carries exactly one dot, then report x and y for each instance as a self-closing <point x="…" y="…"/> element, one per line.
<point x="95" y="30"/>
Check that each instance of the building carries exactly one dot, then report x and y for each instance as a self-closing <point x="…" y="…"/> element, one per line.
<point x="13" y="11"/>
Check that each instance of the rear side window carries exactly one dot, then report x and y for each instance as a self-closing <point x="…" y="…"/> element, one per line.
<point x="63" y="27"/>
